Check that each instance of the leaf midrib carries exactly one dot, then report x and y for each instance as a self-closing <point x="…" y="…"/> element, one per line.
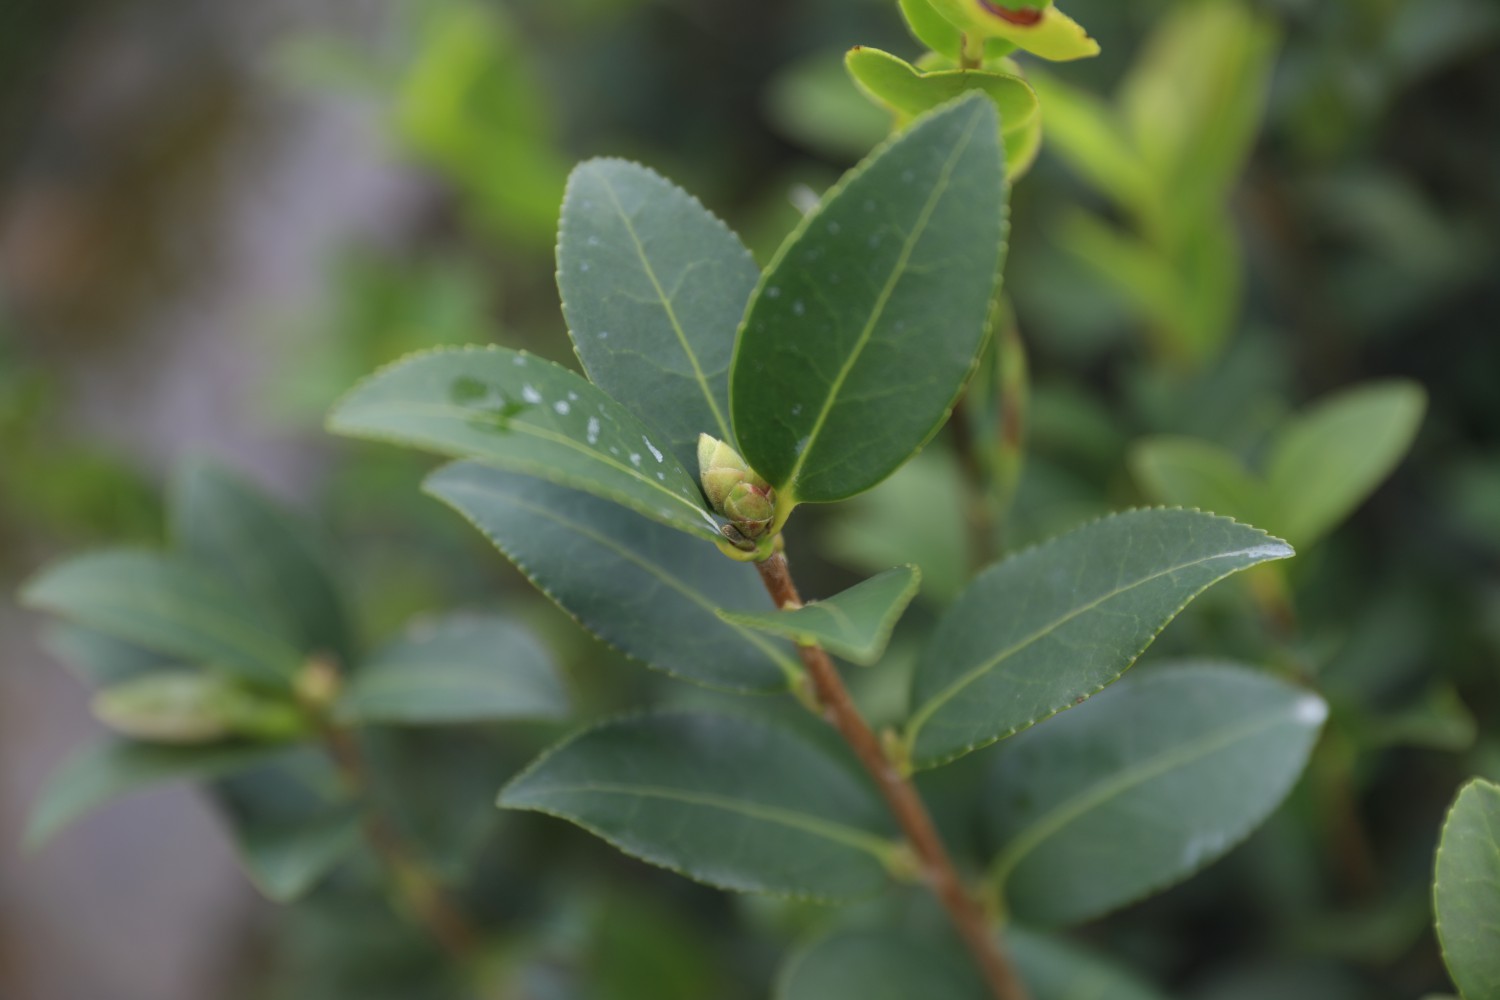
<point x="1071" y="810"/>
<point x="889" y="289"/>
<point x="786" y="667"/>
<point x="930" y="708"/>
<point x="848" y="836"/>
<point x="671" y="312"/>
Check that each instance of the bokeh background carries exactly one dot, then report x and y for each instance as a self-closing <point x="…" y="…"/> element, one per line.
<point x="214" y="217"/>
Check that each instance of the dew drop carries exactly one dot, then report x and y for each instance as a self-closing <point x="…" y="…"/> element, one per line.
<point x="602" y="334"/>
<point x="773" y="292"/>
<point x="530" y="394"/>
<point x="562" y="407"/>
<point x="833" y="228"/>
<point x="593" y="430"/>
<point x="652" y="449"/>
<point x="798" y="307"/>
<point x="635" y="460"/>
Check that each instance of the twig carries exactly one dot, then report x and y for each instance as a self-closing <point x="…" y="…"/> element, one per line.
<point x="901" y="797"/>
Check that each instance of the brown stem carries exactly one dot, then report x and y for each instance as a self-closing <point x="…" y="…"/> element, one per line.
<point x="901" y="797"/>
<point x="426" y="899"/>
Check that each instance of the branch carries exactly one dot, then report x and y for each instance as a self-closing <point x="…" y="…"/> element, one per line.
<point x="901" y="797"/>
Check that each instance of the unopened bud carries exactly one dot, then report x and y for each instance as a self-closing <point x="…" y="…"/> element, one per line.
<point x="191" y="707"/>
<point x="733" y="489"/>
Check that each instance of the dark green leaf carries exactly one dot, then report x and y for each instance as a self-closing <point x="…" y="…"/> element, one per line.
<point x="102" y="659"/>
<point x="1142" y="787"/>
<point x="235" y="532"/>
<point x="463" y="668"/>
<point x="163" y="604"/>
<point x="729" y="801"/>
<point x="519" y="412"/>
<point x="1058" y="970"/>
<point x="116" y="768"/>
<point x="866" y="324"/>
<point x="855" y="624"/>
<point x="1044" y="629"/>
<point x="653" y="287"/>
<point x="1467" y="891"/>
<point x="642" y="588"/>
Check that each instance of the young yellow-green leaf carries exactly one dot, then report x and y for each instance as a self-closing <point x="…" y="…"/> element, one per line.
<point x="933" y="29"/>
<point x="855" y="624"/>
<point x="1467" y="891"/>
<point x="1046" y="628"/>
<point x="1331" y="458"/>
<point x="1143" y="786"/>
<point x="164" y="604"/>
<point x="653" y="288"/>
<point x="884" y="963"/>
<point x="866" y="324"/>
<point x="195" y="706"/>
<point x="116" y="768"/>
<point x="1187" y="472"/>
<point x="1087" y="135"/>
<point x="898" y="85"/>
<point x="1040" y="29"/>
<point x="519" y="412"/>
<point x="269" y="557"/>
<point x="644" y="589"/>
<point x="456" y="669"/>
<point x="730" y="801"/>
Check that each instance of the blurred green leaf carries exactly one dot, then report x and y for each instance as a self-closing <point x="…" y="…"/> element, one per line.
<point x="164" y="604"/>
<point x="933" y="29"/>
<point x="1187" y="472"/>
<point x="1077" y="611"/>
<point x="896" y="84"/>
<point x="1141" y="787"/>
<point x="873" y="311"/>
<point x="644" y="589"/>
<point x="1329" y="459"/>
<point x="234" y="531"/>
<point x="855" y="624"/>
<point x="653" y="287"/>
<point x="102" y="659"/>
<point x="813" y="102"/>
<point x="1467" y="890"/>
<point x="115" y="768"/>
<point x="519" y="412"/>
<point x="194" y="706"/>
<point x="456" y="669"/>
<point x="729" y="801"/>
<point x="1051" y="35"/>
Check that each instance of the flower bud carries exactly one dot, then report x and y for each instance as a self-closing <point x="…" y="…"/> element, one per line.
<point x="733" y="488"/>
<point x="188" y="707"/>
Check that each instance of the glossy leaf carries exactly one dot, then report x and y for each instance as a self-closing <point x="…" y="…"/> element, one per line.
<point x="1467" y="891"/>
<point x="462" y="668"/>
<point x="1141" y="787"/>
<point x="1328" y="460"/>
<point x="866" y="324"/>
<point x="162" y="603"/>
<point x="1044" y="31"/>
<point x="115" y="768"/>
<point x="644" y="589"/>
<point x="729" y="801"/>
<point x="855" y="624"/>
<point x="898" y="85"/>
<point x="653" y="287"/>
<point x="264" y="552"/>
<point x="1046" y="628"/>
<point x="1187" y="472"/>
<point x="519" y="412"/>
<point x="897" y="964"/>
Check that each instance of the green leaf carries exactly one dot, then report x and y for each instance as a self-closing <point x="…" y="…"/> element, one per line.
<point x="898" y="85"/>
<point x="644" y="589"/>
<point x="729" y="801"/>
<point x="196" y="706"/>
<point x="519" y="412"/>
<point x="1052" y="35"/>
<point x="932" y="29"/>
<point x="264" y="552"/>
<point x="1187" y="472"/>
<point x="1467" y="890"/>
<point x="163" y="604"/>
<point x="653" y="287"/>
<point x="461" y="668"/>
<point x="901" y="964"/>
<point x="115" y="768"/>
<point x="1142" y="787"/>
<point x="102" y="659"/>
<point x="1087" y="135"/>
<point x="855" y="624"/>
<point x="870" y="318"/>
<point x="1329" y="459"/>
<point x="290" y="821"/>
<point x="1044" y="629"/>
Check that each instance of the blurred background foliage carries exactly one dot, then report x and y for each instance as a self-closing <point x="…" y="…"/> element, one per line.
<point x="212" y="220"/>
